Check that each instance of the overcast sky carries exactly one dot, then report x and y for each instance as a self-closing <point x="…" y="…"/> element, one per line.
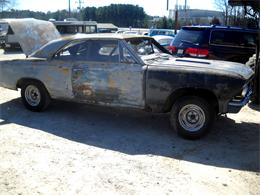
<point x="151" y="7"/>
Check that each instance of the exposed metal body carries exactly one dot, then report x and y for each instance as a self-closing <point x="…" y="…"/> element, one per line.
<point x="147" y="82"/>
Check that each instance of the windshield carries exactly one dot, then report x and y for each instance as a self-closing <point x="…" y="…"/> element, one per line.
<point x="149" y="50"/>
<point x="145" y="46"/>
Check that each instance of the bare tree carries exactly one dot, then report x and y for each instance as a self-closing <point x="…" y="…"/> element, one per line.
<point x="7" y="4"/>
<point x="225" y="8"/>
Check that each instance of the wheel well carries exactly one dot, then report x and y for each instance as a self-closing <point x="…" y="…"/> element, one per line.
<point x="21" y="81"/>
<point x="207" y="95"/>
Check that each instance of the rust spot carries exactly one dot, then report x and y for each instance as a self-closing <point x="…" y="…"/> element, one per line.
<point x="84" y="89"/>
<point x="65" y="71"/>
<point x="48" y="78"/>
<point x="111" y="83"/>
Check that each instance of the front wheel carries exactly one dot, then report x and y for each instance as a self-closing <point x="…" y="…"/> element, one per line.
<point x="35" y="97"/>
<point x="192" y="117"/>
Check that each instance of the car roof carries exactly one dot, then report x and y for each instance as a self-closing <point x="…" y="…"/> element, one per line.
<point x="102" y="36"/>
<point x="160" y="29"/>
<point x="219" y="27"/>
<point x="51" y="47"/>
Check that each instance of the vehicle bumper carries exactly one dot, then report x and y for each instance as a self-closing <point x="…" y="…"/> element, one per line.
<point x="234" y="106"/>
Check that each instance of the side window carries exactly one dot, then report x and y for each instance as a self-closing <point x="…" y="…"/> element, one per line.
<point x="162" y="32"/>
<point x="233" y="38"/>
<point x="90" y="29"/>
<point x="104" y="51"/>
<point x="79" y="29"/>
<point x="76" y="50"/>
<point x="169" y="33"/>
<point x="249" y="40"/>
<point x="127" y="57"/>
<point x="217" y="37"/>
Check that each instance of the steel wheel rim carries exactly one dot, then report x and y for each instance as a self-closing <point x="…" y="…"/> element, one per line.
<point x="32" y="95"/>
<point x="192" y="117"/>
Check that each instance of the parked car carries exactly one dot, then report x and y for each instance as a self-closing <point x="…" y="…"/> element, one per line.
<point x="72" y="26"/>
<point x="215" y="42"/>
<point x="8" y="40"/>
<point x="127" y="71"/>
<point x="164" y="40"/>
<point x="167" y="32"/>
<point x="131" y="32"/>
<point x="25" y="31"/>
<point x="120" y="31"/>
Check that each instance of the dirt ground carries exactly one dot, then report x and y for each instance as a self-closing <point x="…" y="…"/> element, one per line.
<point x="77" y="149"/>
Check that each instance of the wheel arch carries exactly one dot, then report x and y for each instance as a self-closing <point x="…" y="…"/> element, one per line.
<point x="21" y="81"/>
<point x="199" y="92"/>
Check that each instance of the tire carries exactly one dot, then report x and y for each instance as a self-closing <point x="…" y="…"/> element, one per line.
<point x="34" y="95"/>
<point x="192" y="117"/>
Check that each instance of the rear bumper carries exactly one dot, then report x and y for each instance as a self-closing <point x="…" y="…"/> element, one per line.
<point x="234" y="106"/>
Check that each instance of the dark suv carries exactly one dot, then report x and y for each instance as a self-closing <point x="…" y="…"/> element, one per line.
<point x="215" y="42"/>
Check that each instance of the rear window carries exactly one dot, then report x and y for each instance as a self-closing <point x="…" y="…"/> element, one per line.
<point x="193" y="36"/>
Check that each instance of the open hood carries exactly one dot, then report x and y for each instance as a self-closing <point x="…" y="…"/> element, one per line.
<point x="32" y="34"/>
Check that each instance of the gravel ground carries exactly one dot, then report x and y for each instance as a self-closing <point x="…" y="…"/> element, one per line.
<point x="77" y="149"/>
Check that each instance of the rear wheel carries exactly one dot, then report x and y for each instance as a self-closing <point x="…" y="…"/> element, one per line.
<point x="34" y="96"/>
<point x="192" y="117"/>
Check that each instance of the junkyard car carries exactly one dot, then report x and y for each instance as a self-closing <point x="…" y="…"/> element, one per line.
<point x="215" y="42"/>
<point x="132" y="72"/>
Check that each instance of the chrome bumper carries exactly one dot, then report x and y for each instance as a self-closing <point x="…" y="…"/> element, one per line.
<point x="234" y="106"/>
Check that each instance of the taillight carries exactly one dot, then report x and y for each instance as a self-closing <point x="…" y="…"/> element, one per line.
<point x="173" y="49"/>
<point x="194" y="52"/>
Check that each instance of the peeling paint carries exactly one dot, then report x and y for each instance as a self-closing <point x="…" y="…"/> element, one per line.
<point x="85" y="89"/>
<point x="65" y="71"/>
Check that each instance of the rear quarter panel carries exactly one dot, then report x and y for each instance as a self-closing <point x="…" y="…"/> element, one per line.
<point x="55" y="77"/>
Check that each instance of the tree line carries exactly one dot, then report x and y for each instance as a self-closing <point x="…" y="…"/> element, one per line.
<point x="126" y="15"/>
<point x="243" y="16"/>
<point x="122" y="15"/>
<point x="119" y="14"/>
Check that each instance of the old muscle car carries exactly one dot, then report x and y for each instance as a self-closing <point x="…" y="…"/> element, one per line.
<point x="132" y="72"/>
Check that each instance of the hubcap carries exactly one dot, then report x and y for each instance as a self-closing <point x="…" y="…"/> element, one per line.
<point x="32" y="95"/>
<point x="191" y="117"/>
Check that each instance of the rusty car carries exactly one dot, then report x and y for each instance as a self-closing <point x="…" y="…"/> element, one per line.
<point x="127" y="71"/>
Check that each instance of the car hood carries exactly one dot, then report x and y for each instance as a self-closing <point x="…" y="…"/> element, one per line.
<point x="32" y="34"/>
<point x="193" y="64"/>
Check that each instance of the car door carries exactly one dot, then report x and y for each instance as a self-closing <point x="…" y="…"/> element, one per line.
<point x="102" y="77"/>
